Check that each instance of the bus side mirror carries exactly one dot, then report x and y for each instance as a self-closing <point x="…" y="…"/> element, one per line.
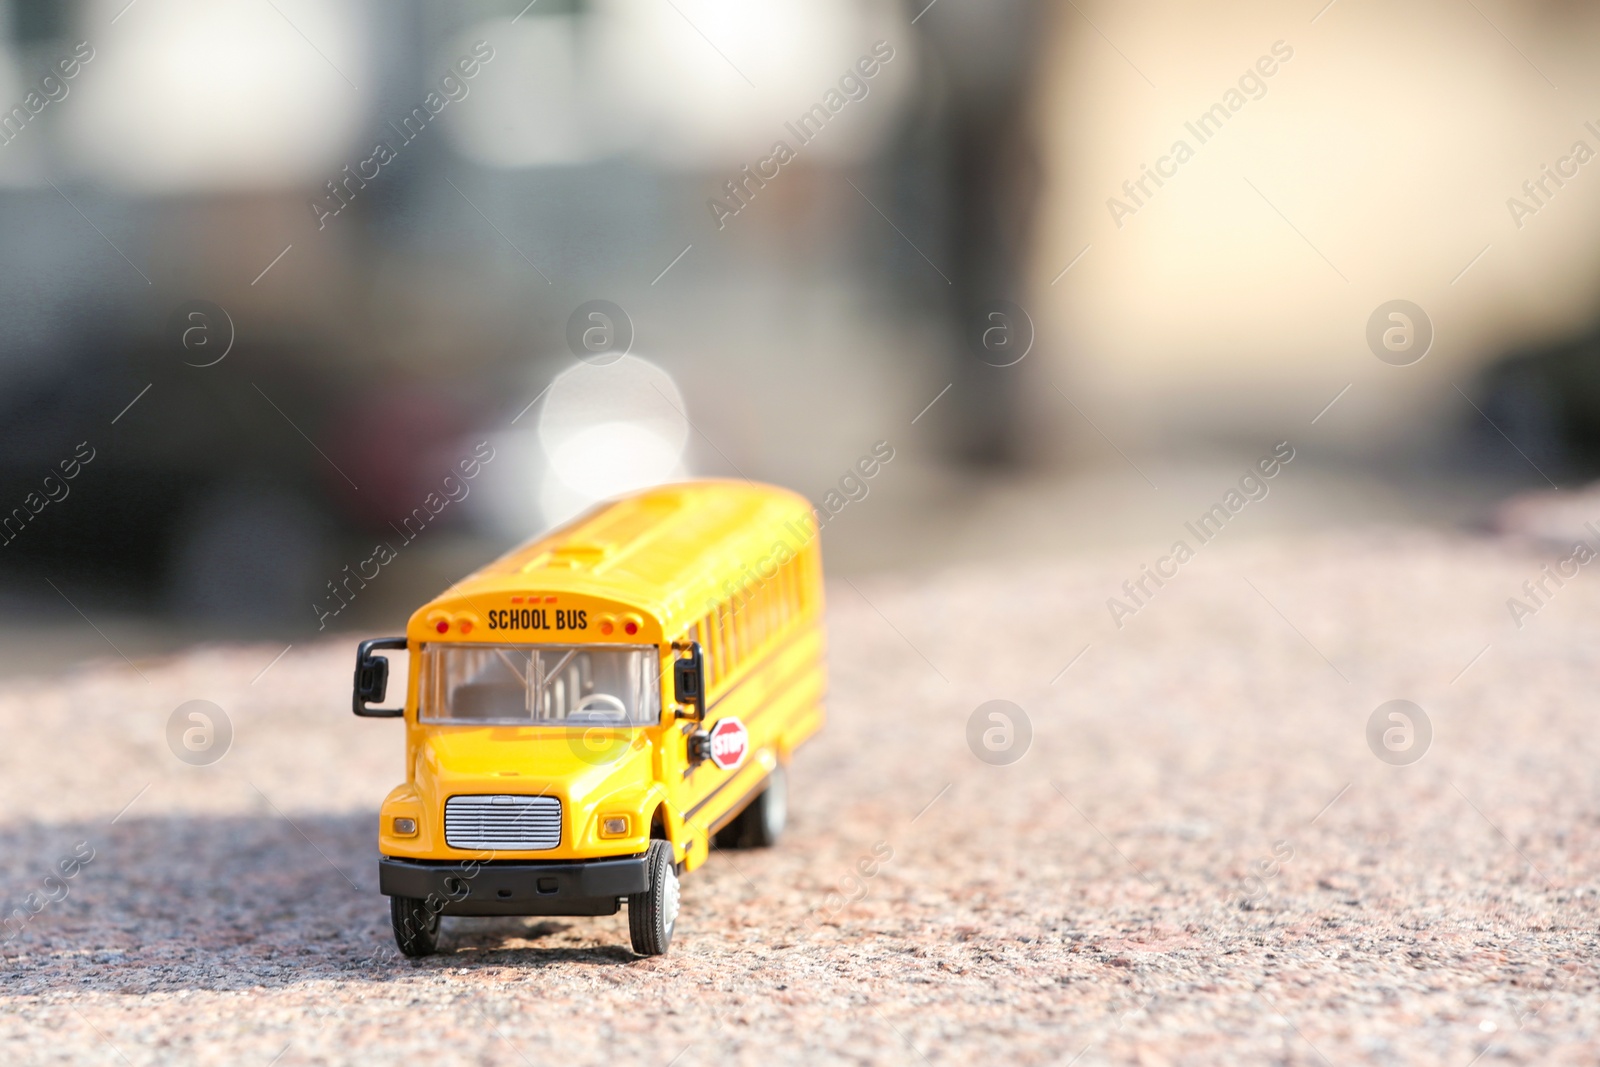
<point x="688" y="680"/>
<point x="372" y="678"/>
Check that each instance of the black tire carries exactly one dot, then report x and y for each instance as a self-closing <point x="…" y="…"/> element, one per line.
<point x="762" y="821"/>
<point x="416" y="926"/>
<point x="653" y="914"/>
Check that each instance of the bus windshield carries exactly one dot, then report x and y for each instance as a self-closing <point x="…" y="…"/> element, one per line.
<point x="532" y="685"/>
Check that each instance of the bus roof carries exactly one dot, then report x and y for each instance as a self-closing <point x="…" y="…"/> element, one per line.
<point x="665" y="551"/>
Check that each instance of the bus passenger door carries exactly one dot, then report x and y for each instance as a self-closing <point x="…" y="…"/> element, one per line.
<point x="689" y="780"/>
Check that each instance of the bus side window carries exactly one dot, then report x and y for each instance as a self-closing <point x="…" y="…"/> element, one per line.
<point x="797" y="580"/>
<point x="747" y="625"/>
<point x="755" y="627"/>
<point x="813" y="576"/>
<point x="725" y="651"/>
<point x="739" y="622"/>
<point x="772" y="600"/>
<point x="791" y="580"/>
<point x="775" y="602"/>
<point x="756" y="617"/>
<point x="736" y="643"/>
<point x="791" y="608"/>
<point x="785" y="595"/>
<point x="770" y="594"/>
<point x="712" y="647"/>
<point x="752" y="621"/>
<point x="770" y="608"/>
<point x="796" y="590"/>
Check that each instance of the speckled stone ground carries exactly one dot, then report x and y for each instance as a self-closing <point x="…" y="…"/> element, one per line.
<point x="1198" y="859"/>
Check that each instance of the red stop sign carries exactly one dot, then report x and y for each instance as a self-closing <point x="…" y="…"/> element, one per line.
<point x="730" y="743"/>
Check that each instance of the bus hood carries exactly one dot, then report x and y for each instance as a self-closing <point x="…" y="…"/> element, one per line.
<point x="574" y="765"/>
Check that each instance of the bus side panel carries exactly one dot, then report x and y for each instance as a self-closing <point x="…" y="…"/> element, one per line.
<point x="785" y="690"/>
<point x="810" y="713"/>
<point x="780" y="705"/>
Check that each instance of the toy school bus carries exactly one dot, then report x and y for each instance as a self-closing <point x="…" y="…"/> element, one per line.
<point x="588" y="715"/>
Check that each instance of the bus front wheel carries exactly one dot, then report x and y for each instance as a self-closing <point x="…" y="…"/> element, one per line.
<point x="653" y="914"/>
<point x="416" y="926"/>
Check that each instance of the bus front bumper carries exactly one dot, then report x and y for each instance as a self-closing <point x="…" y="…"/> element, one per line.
<point x="509" y="887"/>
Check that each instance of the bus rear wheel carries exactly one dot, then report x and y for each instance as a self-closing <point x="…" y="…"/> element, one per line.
<point x="653" y="914"/>
<point x="416" y="926"/>
<point x="762" y="821"/>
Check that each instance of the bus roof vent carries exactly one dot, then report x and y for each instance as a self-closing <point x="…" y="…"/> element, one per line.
<point x="570" y="556"/>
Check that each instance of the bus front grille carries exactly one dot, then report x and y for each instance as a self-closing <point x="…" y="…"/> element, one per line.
<point x="515" y="823"/>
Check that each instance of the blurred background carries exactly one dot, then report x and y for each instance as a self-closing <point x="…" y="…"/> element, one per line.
<point x="272" y="270"/>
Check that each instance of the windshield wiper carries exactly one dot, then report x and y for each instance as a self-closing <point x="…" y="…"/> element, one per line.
<point x="512" y="667"/>
<point x="550" y="675"/>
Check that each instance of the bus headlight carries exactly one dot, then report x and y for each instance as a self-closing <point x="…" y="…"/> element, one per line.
<point x="615" y="825"/>
<point x="404" y="827"/>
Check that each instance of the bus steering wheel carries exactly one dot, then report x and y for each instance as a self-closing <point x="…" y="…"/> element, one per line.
<point x="604" y="700"/>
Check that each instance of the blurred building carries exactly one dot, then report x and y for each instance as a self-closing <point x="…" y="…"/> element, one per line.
<point x="283" y="264"/>
<point x="1376" y="162"/>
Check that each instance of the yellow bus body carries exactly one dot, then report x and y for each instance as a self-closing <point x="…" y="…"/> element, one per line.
<point x="731" y="565"/>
